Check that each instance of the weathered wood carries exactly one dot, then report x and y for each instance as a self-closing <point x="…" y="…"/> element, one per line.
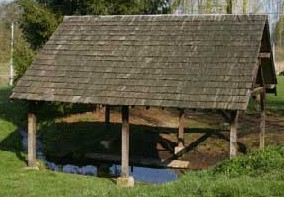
<point x="107" y="115"/>
<point x="97" y="60"/>
<point x="264" y="55"/>
<point x="31" y="140"/>
<point x="233" y="134"/>
<point x="181" y="128"/>
<point x="125" y="142"/>
<point x="180" y="136"/>
<point x="262" y="120"/>
<point x="100" y="109"/>
<point x="257" y="90"/>
<point x="179" y="164"/>
<point x="262" y="111"/>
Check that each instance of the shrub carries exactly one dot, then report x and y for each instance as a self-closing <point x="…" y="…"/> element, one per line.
<point x="259" y="161"/>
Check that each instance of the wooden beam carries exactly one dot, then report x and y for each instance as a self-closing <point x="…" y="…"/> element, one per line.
<point x="257" y="90"/>
<point x="233" y="133"/>
<point x="140" y="161"/>
<point x="125" y="142"/>
<point x="264" y="55"/>
<point x="31" y="140"/>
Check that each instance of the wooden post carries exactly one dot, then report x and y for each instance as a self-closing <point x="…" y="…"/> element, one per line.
<point x="125" y="142"/>
<point x="233" y="134"/>
<point x="31" y="140"/>
<point x="125" y="180"/>
<point x="262" y="111"/>
<point x="107" y="115"/>
<point x="262" y="119"/>
<point x="181" y="128"/>
<point x="180" y="132"/>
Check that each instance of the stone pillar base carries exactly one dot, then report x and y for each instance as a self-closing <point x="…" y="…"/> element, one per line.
<point x="125" y="181"/>
<point x="178" y="149"/>
<point x="31" y="168"/>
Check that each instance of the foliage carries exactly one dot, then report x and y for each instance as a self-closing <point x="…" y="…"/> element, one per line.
<point x="37" y="23"/>
<point x="110" y="7"/>
<point x="256" y="163"/>
<point x="23" y="56"/>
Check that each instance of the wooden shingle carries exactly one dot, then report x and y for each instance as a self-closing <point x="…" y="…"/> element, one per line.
<point x="182" y="61"/>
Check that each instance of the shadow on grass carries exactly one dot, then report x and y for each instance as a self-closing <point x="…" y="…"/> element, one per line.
<point x="13" y="112"/>
<point x="12" y="143"/>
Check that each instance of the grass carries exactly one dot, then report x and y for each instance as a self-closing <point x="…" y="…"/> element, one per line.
<point x="277" y="102"/>
<point x="260" y="173"/>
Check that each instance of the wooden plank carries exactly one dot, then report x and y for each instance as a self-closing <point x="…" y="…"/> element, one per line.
<point x="178" y="164"/>
<point x="31" y="140"/>
<point x="125" y="142"/>
<point x="241" y="105"/>
<point x="264" y="55"/>
<point x="233" y="134"/>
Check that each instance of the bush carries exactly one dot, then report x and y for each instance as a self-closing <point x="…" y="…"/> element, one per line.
<point x="257" y="162"/>
<point x="23" y="57"/>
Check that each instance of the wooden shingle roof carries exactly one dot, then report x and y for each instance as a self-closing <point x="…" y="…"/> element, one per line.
<point x="205" y="61"/>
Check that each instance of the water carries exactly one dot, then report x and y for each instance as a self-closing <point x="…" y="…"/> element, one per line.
<point x="141" y="174"/>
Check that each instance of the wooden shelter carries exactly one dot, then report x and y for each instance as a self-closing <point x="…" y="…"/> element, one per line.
<point x="182" y="61"/>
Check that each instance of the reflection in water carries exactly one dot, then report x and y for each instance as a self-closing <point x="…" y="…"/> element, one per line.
<point x="142" y="174"/>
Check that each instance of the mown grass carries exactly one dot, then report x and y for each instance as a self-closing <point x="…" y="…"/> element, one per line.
<point x="260" y="173"/>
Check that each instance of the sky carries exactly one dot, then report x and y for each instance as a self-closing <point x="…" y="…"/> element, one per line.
<point x="5" y="0"/>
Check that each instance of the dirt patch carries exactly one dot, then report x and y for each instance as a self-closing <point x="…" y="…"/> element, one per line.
<point x="206" y="134"/>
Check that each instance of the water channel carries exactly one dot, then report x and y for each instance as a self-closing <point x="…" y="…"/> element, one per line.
<point x="99" y="169"/>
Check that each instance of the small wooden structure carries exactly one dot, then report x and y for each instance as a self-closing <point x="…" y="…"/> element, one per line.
<point x="186" y="62"/>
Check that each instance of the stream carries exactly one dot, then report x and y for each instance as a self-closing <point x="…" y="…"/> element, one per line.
<point x="99" y="169"/>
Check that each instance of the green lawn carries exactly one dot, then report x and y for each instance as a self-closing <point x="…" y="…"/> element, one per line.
<point x="231" y="179"/>
<point x="258" y="174"/>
